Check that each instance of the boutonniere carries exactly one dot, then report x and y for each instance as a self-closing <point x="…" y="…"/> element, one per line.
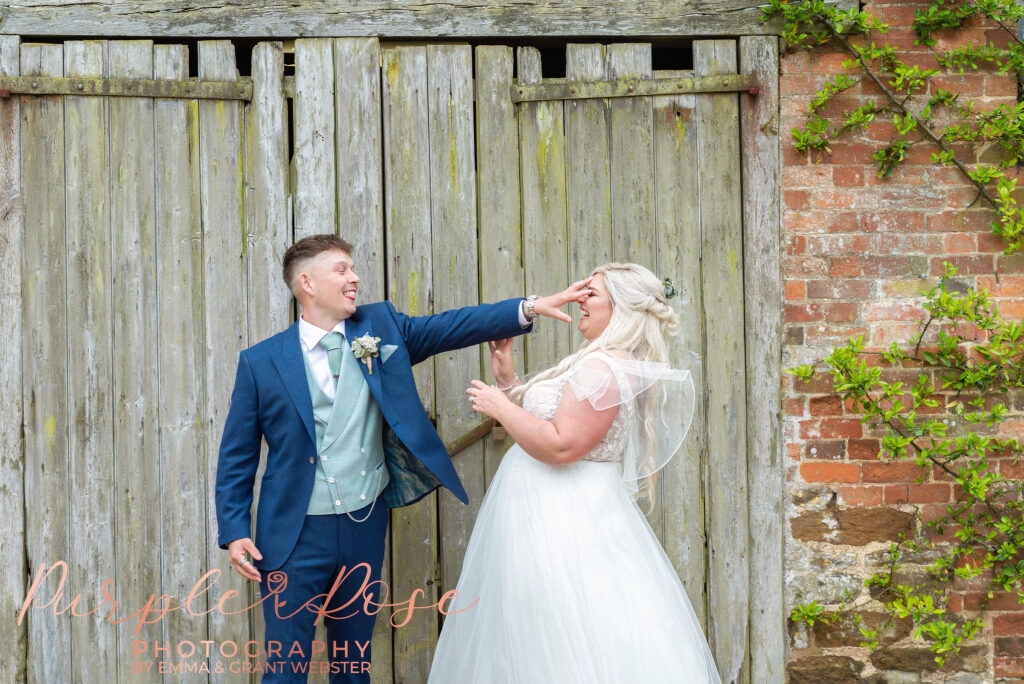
<point x="365" y="348"/>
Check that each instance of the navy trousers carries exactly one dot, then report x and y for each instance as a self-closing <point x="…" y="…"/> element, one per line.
<point x="328" y="545"/>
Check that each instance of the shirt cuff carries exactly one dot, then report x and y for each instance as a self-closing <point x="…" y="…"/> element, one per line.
<point x="522" y="317"/>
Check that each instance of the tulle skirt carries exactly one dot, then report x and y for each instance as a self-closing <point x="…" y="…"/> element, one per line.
<point x="564" y="581"/>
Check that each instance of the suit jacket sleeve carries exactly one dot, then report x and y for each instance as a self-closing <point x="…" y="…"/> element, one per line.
<point x="425" y="336"/>
<point x="239" y="459"/>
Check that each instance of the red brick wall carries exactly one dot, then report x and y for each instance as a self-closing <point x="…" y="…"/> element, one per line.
<point x="860" y="253"/>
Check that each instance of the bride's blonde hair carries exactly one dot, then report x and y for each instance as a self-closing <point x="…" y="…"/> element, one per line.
<point x="641" y="319"/>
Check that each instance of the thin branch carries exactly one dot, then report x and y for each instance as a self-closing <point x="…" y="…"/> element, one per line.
<point x="888" y="93"/>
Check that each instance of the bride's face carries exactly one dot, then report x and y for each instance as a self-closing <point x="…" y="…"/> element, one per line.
<point x="596" y="309"/>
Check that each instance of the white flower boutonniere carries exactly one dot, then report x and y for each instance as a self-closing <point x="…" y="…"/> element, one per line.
<point x="365" y="348"/>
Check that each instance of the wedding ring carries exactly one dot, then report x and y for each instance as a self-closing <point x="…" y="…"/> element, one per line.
<point x="244" y="561"/>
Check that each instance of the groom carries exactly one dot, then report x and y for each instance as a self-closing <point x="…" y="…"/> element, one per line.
<point x="347" y="439"/>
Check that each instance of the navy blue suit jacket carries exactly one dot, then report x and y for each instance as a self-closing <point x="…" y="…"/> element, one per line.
<point x="271" y="400"/>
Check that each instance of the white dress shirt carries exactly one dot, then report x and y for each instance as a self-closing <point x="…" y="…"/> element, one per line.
<point x="310" y="336"/>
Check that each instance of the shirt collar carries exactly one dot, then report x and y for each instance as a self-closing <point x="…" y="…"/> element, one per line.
<point x="311" y="334"/>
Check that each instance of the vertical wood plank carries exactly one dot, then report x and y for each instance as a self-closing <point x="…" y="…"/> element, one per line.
<point x="12" y="445"/>
<point x="722" y="259"/>
<point x="357" y="112"/>
<point x="266" y="193"/>
<point x="181" y="345"/>
<point x="221" y="147"/>
<point x="44" y="355"/>
<point x="414" y="542"/>
<point x="677" y="231"/>
<point x="453" y="217"/>
<point x="545" y="253"/>
<point x="632" y="159"/>
<point x="267" y="214"/>
<point x="90" y="400"/>
<point x="357" y="121"/>
<point x="314" y="190"/>
<point x="498" y="201"/>
<point x="588" y="159"/>
<point x="634" y="231"/>
<point x="137" y="471"/>
<point x="763" y="298"/>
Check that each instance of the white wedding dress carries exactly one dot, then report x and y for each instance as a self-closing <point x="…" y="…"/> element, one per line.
<point x="563" y="579"/>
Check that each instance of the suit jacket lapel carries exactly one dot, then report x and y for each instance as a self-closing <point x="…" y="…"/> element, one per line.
<point x="357" y="326"/>
<point x="293" y="373"/>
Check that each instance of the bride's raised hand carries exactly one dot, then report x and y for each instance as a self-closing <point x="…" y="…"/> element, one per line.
<point x="551" y="305"/>
<point x="502" y="361"/>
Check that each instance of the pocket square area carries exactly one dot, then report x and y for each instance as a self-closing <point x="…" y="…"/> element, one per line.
<point x="386" y="350"/>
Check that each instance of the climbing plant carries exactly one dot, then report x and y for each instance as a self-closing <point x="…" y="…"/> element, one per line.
<point x="947" y="420"/>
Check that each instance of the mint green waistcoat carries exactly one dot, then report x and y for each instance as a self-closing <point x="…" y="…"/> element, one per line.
<point x="350" y="470"/>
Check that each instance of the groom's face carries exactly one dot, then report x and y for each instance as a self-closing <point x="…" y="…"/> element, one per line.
<point x="334" y="283"/>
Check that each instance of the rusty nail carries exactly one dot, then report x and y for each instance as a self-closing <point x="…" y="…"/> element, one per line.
<point x="754" y="91"/>
<point x="630" y="88"/>
<point x="572" y="90"/>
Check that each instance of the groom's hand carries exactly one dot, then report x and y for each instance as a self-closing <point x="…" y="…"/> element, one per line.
<point x="551" y="305"/>
<point x="237" y="551"/>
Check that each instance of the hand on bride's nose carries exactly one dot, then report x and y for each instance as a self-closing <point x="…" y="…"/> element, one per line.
<point x="551" y="306"/>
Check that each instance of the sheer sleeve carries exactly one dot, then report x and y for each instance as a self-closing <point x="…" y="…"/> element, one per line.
<point x="663" y="400"/>
<point x="594" y="380"/>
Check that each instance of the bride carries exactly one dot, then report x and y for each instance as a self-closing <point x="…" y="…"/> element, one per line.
<point x="563" y="579"/>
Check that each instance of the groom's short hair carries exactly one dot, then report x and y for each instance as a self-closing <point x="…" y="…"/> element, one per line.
<point x="307" y="248"/>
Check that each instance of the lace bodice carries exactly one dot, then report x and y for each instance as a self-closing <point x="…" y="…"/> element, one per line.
<point x="542" y="400"/>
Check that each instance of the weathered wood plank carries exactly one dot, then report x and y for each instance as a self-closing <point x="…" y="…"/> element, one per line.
<point x="722" y="263"/>
<point x="453" y="218"/>
<point x="91" y="433"/>
<point x="357" y="91"/>
<point x="545" y="252"/>
<point x="12" y="445"/>
<point x="44" y="353"/>
<point x="588" y="158"/>
<point x="266" y="194"/>
<point x="314" y="191"/>
<point x="414" y="540"/>
<point x="392" y="18"/>
<point x="221" y="144"/>
<point x="181" y="346"/>
<point x="498" y="216"/>
<point x="267" y="215"/>
<point x="762" y="250"/>
<point x="632" y="159"/>
<point x="137" y="471"/>
<point x="357" y="112"/>
<point x="677" y="235"/>
<point x="360" y="195"/>
<point x="632" y="185"/>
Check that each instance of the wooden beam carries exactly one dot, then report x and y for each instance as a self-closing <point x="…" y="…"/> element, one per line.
<point x="761" y="158"/>
<point x="192" y="89"/>
<point x="634" y="87"/>
<point x="387" y="18"/>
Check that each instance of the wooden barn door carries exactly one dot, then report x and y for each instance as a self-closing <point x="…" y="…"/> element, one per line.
<point x="489" y="199"/>
<point x="143" y="242"/>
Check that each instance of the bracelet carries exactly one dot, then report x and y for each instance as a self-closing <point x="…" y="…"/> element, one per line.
<point x="506" y="389"/>
<point x="530" y="313"/>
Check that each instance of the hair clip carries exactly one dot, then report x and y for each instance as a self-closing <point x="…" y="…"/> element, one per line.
<point x="670" y="288"/>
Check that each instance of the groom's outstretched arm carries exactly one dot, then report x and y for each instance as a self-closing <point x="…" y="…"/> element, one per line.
<point x="425" y="336"/>
<point x="239" y="459"/>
